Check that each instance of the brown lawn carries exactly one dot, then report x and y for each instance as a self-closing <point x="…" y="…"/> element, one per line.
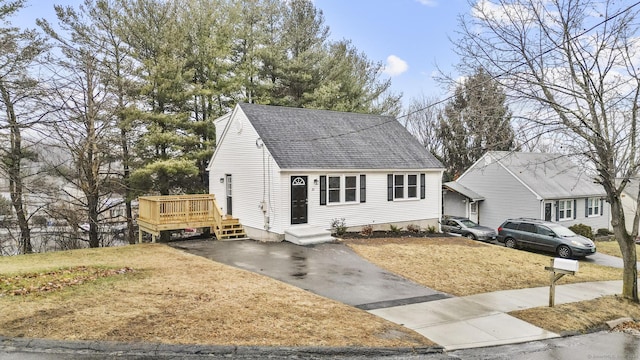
<point x="580" y="317"/>
<point x="459" y="266"/>
<point x="167" y="296"/>
<point x="612" y="248"/>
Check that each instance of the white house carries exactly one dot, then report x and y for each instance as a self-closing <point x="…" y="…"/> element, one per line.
<point x="291" y="171"/>
<point x="535" y="185"/>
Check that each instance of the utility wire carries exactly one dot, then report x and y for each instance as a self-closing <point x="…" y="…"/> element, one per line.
<point x="535" y="57"/>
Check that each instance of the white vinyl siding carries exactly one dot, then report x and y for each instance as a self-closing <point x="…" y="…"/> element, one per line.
<point x="254" y="173"/>
<point x="376" y="209"/>
<point x="506" y="197"/>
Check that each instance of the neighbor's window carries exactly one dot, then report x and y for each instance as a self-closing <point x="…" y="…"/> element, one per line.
<point x="350" y="188"/>
<point x="593" y="207"/>
<point x="474" y="208"/>
<point x="565" y="209"/>
<point x="334" y="189"/>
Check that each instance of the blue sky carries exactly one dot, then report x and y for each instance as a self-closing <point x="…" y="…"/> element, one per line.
<point x="410" y="36"/>
<point x="414" y="31"/>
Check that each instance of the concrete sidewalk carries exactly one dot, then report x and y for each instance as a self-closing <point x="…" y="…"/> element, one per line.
<point x="481" y="320"/>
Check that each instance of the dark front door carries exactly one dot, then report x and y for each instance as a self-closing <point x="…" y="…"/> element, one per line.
<point x="229" y="194"/>
<point x="298" y="200"/>
<point x="547" y="212"/>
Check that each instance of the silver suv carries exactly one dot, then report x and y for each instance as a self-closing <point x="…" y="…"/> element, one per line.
<point x="546" y="236"/>
<point x="466" y="227"/>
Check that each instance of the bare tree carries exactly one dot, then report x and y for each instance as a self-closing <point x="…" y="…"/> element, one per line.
<point x="19" y="51"/>
<point x="422" y="121"/>
<point x="84" y="111"/>
<point x="575" y="65"/>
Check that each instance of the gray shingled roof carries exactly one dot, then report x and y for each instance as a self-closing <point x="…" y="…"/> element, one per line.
<point x="321" y="139"/>
<point x="552" y="176"/>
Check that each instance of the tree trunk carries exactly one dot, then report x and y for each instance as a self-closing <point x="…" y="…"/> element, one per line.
<point x="14" y="172"/>
<point x="628" y="249"/>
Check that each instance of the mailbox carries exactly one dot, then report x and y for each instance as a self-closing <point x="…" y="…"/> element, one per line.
<point x="565" y="264"/>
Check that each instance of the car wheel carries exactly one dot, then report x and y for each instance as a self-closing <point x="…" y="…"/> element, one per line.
<point x="564" y="251"/>
<point x="471" y="236"/>
<point x="510" y="243"/>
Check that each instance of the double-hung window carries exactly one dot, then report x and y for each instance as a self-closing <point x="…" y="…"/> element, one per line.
<point x="565" y="210"/>
<point x="334" y="189"/>
<point x="593" y="207"/>
<point x="412" y="186"/>
<point x="398" y="187"/>
<point x="350" y="189"/>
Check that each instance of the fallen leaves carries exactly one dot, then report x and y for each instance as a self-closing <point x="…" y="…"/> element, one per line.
<point x="44" y="282"/>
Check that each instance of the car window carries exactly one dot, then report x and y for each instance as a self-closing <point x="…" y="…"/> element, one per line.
<point x="510" y="225"/>
<point x="562" y="231"/>
<point x="527" y="227"/>
<point x="450" y="223"/>
<point x="543" y="230"/>
<point x="468" y="223"/>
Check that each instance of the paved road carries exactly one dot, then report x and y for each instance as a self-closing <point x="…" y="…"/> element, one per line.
<point x="602" y="345"/>
<point x="331" y="270"/>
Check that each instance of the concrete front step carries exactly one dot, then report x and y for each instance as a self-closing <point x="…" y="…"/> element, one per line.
<point x="307" y="235"/>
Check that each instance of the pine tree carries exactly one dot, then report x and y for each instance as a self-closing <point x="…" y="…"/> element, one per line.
<point x="474" y="121"/>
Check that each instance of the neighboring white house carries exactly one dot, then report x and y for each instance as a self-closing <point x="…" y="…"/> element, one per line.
<point x="285" y="170"/>
<point x="534" y="185"/>
<point x="460" y="201"/>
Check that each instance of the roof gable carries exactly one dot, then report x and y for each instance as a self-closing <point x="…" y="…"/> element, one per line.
<point x="551" y="176"/>
<point x="321" y="139"/>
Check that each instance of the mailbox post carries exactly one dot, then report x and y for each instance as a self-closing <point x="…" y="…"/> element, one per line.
<point x="558" y="269"/>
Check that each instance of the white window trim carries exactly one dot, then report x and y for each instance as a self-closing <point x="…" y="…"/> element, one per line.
<point x="343" y="188"/>
<point x="406" y="187"/>
<point x="564" y="217"/>
<point x="595" y="209"/>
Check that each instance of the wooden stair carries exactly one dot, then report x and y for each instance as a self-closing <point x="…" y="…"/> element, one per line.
<point x="230" y="229"/>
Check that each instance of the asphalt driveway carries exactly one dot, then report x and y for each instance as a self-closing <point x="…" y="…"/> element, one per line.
<point x="331" y="270"/>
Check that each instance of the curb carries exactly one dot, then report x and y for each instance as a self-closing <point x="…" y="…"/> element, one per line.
<point x="156" y="349"/>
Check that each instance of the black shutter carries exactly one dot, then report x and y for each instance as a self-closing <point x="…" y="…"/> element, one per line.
<point x="601" y="206"/>
<point x="575" y="204"/>
<point x="423" y="192"/>
<point x="557" y="210"/>
<point x="323" y="190"/>
<point x="363" y="188"/>
<point x="389" y="187"/>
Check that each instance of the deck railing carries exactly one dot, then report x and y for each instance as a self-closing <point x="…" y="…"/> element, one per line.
<point x="157" y="213"/>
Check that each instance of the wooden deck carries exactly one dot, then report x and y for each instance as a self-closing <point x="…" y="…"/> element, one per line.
<point x="174" y="212"/>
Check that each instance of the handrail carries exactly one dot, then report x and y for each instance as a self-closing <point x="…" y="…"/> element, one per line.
<point x="160" y="210"/>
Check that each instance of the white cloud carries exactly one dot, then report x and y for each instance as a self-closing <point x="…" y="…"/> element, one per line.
<point x="395" y="66"/>
<point x="431" y="3"/>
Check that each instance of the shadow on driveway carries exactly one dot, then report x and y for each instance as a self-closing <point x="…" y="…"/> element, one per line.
<point x="331" y="270"/>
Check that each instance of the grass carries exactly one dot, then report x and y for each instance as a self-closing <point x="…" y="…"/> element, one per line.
<point x="580" y="317"/>
<point x="459" y="266"/>
<point x="612" y="248"/>
<point x="173" y="297"/>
